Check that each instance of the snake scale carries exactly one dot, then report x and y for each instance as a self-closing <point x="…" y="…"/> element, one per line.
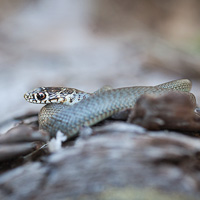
<point x="69" y="109"/>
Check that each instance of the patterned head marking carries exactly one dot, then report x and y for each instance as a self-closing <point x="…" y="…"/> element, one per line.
<point x="38" y="95"/>
<point x="46" y="95"/>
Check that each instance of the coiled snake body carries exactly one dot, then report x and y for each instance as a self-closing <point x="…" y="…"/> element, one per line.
<point x="89" y="108"/>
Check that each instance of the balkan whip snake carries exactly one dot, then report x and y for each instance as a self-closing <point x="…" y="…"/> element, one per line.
<point x="69" y="109"/>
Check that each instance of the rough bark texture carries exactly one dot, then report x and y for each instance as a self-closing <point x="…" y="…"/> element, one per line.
<point x="113" y="164"/>
<point x="171" y="112"/>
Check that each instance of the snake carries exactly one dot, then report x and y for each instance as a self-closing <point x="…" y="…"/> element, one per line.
<point x="69" y="109"/>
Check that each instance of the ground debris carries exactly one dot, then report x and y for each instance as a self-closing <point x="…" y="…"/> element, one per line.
<point x="158" y="167"/>
<point x="23" y="133"/>
<point x="20" y="141"/>
<point x="11" y="151"/>
<point x="158" y="113"/>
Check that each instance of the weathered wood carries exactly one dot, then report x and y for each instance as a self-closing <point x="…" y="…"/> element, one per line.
<point x="161" y="166"/>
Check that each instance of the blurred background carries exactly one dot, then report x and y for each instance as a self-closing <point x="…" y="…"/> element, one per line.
<point x="90" y="43"/>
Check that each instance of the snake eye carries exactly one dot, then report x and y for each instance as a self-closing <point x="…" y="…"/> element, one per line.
<point x="41" y="96"/>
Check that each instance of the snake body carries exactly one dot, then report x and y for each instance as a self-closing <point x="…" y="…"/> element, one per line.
<point x="88" y="108"/>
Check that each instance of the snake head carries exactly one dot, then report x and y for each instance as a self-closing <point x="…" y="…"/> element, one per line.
<point x="46" y="95"/>
<point x="38" y="95"/>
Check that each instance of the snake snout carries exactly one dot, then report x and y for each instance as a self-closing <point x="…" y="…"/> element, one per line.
<point x="27" y="96"/>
